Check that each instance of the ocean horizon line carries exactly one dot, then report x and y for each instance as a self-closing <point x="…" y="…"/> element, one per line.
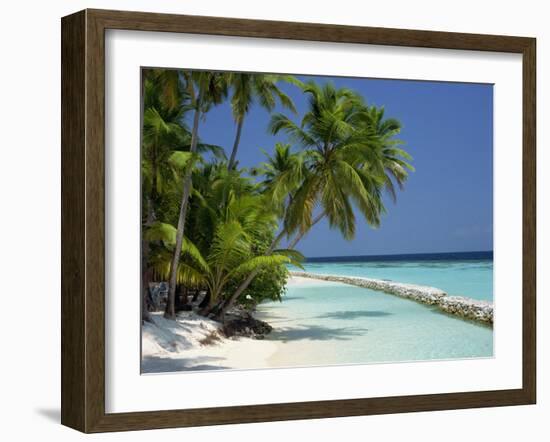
<point x="425" y="256"/>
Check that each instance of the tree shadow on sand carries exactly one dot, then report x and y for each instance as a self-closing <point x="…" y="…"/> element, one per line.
<point x="272" y="317"/>
<point x="316" y="333"/>
<point x="156" y="364"/>
<point x="355" y="314"/>
<point x="293" y="298"/>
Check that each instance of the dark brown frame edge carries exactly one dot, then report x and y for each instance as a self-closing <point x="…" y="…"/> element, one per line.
<point x="83" y="215"/>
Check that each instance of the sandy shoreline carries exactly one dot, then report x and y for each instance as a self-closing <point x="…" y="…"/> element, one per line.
<point x="300" y="338"/>
<point x="169" y="347"/>
<point x="294" y="280"/>
<point x="178" y="348"/>
<point x="238" y="353"/>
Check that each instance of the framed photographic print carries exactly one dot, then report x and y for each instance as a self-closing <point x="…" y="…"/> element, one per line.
<point x="265" y="221"/>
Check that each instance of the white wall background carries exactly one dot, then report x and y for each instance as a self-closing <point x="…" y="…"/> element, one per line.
<point x="30" y="218"/>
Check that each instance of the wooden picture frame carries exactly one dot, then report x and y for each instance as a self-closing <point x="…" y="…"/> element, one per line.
<point x="83" y="220"/>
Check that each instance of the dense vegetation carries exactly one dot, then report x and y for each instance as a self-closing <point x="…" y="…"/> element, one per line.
<point x="209" y="225"/>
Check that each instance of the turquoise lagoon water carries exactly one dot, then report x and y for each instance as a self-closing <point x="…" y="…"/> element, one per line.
<point x="471" y="278"/>
<point x="327" y="323"/>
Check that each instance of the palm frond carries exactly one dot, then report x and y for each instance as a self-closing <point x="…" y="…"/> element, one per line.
<point x="280" y="122"/>
<point x="259" y="262"/>
<point x="294" y="256"/>
<point x="159" y="231"/>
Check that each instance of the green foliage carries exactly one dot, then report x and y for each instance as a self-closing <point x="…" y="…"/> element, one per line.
<point x="343" y="154"/>
<point x="247" y="88"/>
<point x="269" y="283"/>
<point x="232" y="253"/>
<point x="227" y="237"/>
<point x="349" y="157"/>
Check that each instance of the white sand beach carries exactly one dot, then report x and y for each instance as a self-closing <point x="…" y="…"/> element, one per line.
<point x="319" y="323"/>
<point x="196" y="343"/>
<point x="300" y="281"/>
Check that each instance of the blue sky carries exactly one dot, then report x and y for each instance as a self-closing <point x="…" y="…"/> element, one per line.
<point x="447" y="203"/>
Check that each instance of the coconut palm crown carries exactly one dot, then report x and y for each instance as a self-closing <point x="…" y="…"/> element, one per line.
<point x="261" y="88"/>
<point x="345" y="158"/>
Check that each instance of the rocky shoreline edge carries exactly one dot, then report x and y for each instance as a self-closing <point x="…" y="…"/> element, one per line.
<point x="463" y="307"/>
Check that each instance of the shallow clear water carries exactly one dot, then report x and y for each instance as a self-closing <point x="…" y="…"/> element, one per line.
<point x="471" y="278"/>
<point x="324" y="323"/>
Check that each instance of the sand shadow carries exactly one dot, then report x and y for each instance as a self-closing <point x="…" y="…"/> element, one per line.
<point x="156" y="364"/>
<point x="355" y="314"/>
<point x="293" y="298"/>
<point x="270" y="317"/>
<point x="316" y="333"/>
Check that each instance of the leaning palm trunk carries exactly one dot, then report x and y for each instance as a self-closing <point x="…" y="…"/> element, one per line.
<point x="244" y="285"/>
<point x="170" y="312"/>
<point x="302" y="233"/>
<point x="233" y="158"/>
<point x="220" y="314"/>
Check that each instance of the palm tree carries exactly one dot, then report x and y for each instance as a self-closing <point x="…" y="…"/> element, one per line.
<point x="339" y="108"/>
<point x="230" y="253"/>
<point x="393" y="165"/>
<point x="165" y="137"/>
<point x="248" y="88"/>
<point x="394" y="159"/>
<point x="345" y="159"/>
<point x="166" y="143"/>
<point x="284" y="172"/>
<point x="205" y="89"/>
<point x="161" y="139"/>
<point x="336" y="152"/>
<point x="350" y="156"/>
<point x="157" y="135"/>
<point x="162" y="132"/>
